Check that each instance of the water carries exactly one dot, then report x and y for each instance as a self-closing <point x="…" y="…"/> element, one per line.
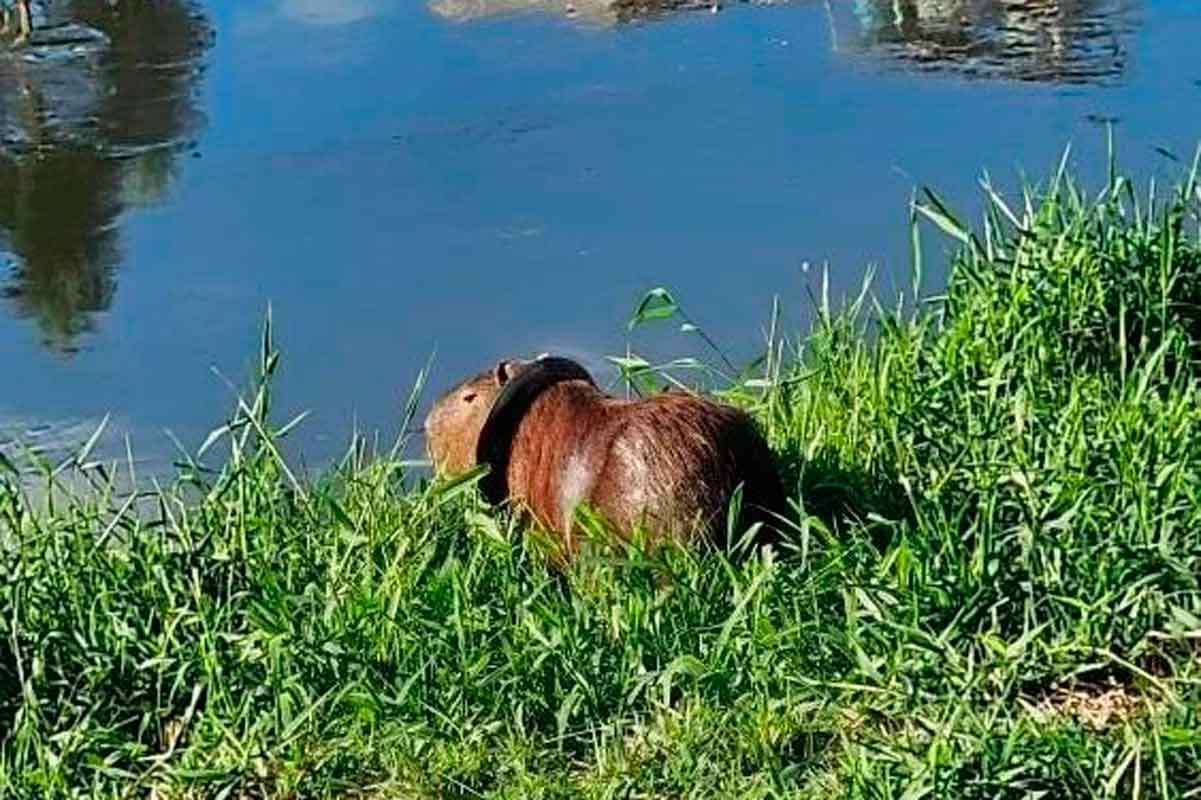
<point x="471" y="180"/>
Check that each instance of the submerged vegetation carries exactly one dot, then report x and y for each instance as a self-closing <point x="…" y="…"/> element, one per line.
<point x="993" y="588"/>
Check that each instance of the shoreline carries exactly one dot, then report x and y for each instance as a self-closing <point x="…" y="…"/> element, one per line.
<point x="993" y="586"/>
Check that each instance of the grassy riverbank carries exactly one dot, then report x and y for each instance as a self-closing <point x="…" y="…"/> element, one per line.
<point x="994" y="588"/>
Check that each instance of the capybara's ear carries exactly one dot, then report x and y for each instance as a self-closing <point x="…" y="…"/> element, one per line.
<point x="509" y="369"/>
<point x="504" y="372"/>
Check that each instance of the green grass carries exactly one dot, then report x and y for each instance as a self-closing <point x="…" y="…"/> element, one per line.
<point x="998" y="531"/>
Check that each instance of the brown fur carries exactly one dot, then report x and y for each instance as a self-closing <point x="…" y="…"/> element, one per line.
<point x="668" y="463"/>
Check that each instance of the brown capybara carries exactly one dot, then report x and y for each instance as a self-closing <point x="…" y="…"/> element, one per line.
<point x="667" y="464"/>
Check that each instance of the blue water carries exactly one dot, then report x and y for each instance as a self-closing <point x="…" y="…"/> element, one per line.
<point x="398" y="184"/>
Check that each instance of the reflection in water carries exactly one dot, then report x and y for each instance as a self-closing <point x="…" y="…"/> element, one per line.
<point x="1056" y="41"/>
<point x="87" y="130"/>
<point x="609" y="11"/>
<point x="58" y="210"/>
<point x="333" y="12"/>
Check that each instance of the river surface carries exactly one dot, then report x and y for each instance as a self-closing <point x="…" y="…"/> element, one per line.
<point x="468" y="179"/>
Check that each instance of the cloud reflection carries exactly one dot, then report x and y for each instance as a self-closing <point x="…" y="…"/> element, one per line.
<point x="333" y="12"/>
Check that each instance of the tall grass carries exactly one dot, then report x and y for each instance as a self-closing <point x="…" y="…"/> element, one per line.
<point x="993" y="588"/>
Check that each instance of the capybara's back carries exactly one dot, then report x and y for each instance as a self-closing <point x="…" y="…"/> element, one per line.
<point x="675" y="461"/>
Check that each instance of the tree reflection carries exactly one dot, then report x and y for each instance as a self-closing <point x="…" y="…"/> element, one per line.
<point x="1061" y="41"/>
<point x="1054" y="41"/>
<point x="58" y="210"/>
<point x="88" y="132"/>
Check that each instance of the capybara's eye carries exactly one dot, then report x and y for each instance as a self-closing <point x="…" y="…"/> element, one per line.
<point x="467" y="398"/>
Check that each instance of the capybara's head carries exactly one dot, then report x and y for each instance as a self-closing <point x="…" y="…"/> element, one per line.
<point x="452" y="428"/>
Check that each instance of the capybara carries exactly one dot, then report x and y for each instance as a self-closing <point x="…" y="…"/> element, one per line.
<point x="667" y="464"/>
